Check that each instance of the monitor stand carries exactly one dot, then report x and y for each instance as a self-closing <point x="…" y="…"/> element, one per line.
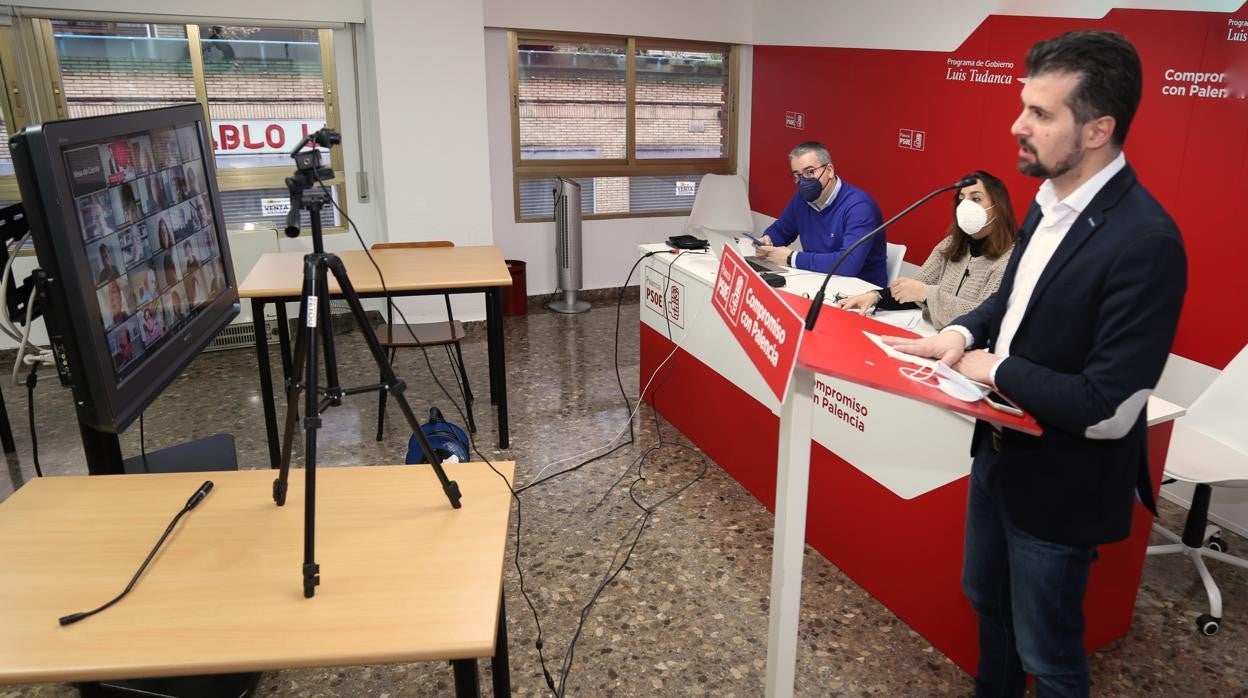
<point x="210" y="686"/>
<point x="209" y="454"/>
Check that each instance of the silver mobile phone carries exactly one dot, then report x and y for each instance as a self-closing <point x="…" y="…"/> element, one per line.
<point x="999" y="402"/>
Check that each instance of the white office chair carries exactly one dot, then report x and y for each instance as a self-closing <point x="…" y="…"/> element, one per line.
<point x="1209" y="447"/>
<point x="895" y="256"/>
<point x="762" y="222"/>
<point x="722" y="204"/>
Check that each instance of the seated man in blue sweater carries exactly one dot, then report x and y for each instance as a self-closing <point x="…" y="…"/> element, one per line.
<point x="829" y="214"/>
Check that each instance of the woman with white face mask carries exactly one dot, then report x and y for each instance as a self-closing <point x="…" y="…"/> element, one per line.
<point x="964" y="268"/>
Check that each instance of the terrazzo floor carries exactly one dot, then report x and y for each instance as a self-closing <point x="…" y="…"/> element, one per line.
<point x="687" y="614"/>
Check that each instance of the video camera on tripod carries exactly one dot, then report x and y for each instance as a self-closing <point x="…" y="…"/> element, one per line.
<point x="314" y="324"/>
<point x="309" y="171"/>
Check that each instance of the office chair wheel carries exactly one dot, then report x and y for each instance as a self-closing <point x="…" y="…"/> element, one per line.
<point x="1217" y="543"/>
<point x="1208" y="625"/>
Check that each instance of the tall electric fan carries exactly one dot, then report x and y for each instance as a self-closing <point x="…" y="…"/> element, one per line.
<point x="568" y="246"/>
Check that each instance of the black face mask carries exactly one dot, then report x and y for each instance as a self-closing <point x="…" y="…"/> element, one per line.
<point x="809" y="188"/>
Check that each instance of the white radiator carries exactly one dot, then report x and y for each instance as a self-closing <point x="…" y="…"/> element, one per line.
<point x="246" y="246"/>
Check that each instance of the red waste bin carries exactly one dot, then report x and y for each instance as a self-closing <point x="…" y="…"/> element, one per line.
<point x="516" y="297"/>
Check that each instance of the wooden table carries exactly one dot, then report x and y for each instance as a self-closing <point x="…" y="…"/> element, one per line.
<point x="278" y="278"/>
<point x="404" y="576"/>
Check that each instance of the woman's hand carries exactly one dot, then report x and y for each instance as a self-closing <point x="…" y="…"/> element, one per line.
<point x="861" y="302"/>
<point x="908" y="291"/>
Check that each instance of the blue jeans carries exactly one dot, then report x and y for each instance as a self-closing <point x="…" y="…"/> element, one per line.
<point x="1028" y="594"/>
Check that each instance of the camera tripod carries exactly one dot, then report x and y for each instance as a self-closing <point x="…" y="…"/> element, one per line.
<point x="314" y="325"/>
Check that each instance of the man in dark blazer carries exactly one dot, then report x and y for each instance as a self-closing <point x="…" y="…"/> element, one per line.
<point x="1077" y="336"/>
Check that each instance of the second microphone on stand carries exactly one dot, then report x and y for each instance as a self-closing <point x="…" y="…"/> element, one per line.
<point x="816" y="304"/>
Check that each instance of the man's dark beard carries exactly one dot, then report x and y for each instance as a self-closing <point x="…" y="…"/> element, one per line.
<point x="1038" y="170"/>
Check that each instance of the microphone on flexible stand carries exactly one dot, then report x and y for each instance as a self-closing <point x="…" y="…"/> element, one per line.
<point x="191" y="503"/>
<point x="816" y="303"/>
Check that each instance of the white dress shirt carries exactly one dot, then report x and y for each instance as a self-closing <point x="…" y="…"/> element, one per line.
<point x="1056" y="220"/>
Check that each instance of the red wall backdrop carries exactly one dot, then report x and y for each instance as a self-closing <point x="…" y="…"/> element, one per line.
<point x="1190" y="150"/>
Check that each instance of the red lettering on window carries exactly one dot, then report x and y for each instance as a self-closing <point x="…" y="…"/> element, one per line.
<point x="247" y="142"/>
<point x="229" y="137"/>
<point x="275" y="135"/>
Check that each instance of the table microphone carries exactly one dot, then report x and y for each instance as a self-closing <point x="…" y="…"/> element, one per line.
<point x="191" y="503"/>
<point x="816" y="304"/>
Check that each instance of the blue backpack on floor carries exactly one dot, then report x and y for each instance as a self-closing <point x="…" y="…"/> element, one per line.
<point x="447" y="440"/>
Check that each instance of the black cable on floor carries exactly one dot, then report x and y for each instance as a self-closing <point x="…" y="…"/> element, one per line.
<point x="653" y="389"/>
<point x="644" y="519"/>
<point x="667" y="318"/>
<point x="31" y="379"/>
<point x="647" y="512"/>
<point x="471" y="441"/>
<point x="611" y="574"/>
<point x="628" y="406"/>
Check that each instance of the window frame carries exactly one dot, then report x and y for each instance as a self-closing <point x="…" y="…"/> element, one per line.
<point x="10" y="105"/>
<point x="37" y="50"/>
<point x="630" y="165"/>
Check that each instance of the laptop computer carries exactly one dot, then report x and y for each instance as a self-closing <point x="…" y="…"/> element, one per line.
<point x="718" y="239"/>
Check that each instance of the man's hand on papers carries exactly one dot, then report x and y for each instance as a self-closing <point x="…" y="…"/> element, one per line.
<point x="948" y="346"/>
<point x="976" y="365"/>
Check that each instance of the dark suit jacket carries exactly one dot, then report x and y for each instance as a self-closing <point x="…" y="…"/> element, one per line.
<point x="1089" y="350"/>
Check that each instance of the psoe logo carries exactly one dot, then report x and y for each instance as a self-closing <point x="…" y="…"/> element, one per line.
<point x="911" y="139"/>
<point x="734" y="303"/>
<point x="668" y="304"/>
<point x="723" y="287"/>
<point x="675" y="293"/>
<point x="795" y="120"/>
<point x="654" y="292"/>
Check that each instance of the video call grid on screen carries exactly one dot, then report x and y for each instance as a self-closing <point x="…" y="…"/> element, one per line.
<point x="149" y="235"/>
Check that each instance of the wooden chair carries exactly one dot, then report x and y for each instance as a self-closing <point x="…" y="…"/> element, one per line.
<point x="394" y="336"/>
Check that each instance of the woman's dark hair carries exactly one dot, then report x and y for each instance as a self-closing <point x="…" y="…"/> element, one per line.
<point x="1002" y="226"/>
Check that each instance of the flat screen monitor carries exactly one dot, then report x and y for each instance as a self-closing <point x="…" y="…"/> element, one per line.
<point x="126" y="222"/>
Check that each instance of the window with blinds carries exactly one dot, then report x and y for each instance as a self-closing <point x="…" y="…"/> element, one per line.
<point x="637" y="121"/>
